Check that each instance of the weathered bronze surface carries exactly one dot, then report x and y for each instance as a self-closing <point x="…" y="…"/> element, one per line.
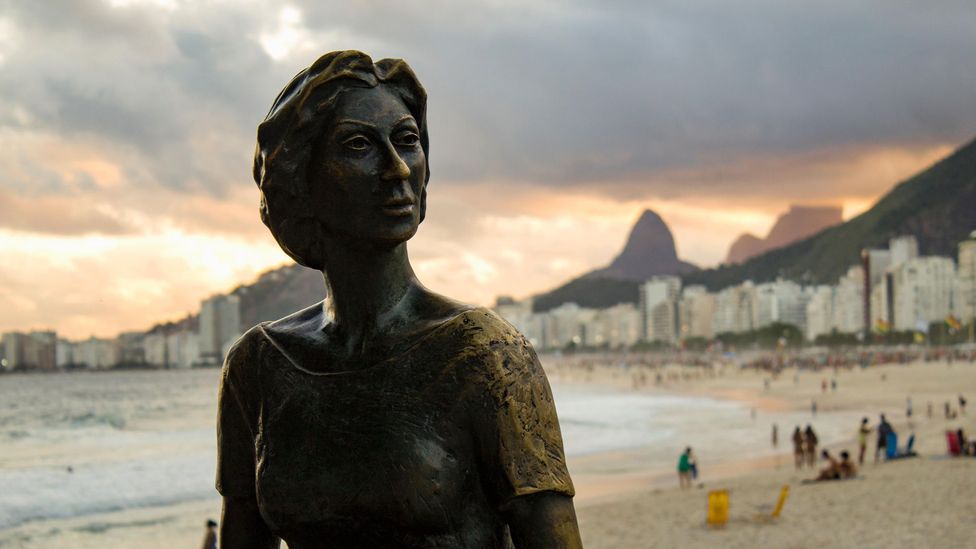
<point x="388" y="415"/>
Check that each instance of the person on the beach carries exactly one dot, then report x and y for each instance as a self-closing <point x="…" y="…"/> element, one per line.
<point x="810" y="445"/>
<point x="813" y="407"/>
<point x="693" y="463"/>
<point x="832" y="470"/>
<point x="846" y="468"/>
<point x="862" y="440"/>
<point x="775" y="435"/>
<point x="210" y="537"/>
<point x="798" y="447"/>
<point x="962" y="405"/>
<point x="684" y="469"/>
<point x="908" y="407"/>
<point x="884" y="428"/>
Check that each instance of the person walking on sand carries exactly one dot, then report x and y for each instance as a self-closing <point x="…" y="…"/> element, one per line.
<point x="684" y="469"/>
<point x="862" y="440"/>
<point x="775" y="436"/>
<point x="884" y="429"/>
<point x="962" y="405"/>
<point x="810" y="440"/>
<point x="798" y="447"/>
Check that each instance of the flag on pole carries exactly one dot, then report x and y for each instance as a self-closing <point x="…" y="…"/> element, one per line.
<point x="953" y="323"/>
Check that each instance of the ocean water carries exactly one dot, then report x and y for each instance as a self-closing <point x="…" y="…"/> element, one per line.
<point x="83" y="443"/>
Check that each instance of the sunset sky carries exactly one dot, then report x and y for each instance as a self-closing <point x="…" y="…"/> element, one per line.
<point x="127" y="131"/>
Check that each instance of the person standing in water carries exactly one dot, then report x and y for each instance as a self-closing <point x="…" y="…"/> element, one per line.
<point x="810" y="439"/>
<point x="684" y="469"/>
<point x="862" y="440"/>
<point x="210" y="537"/>
<point x="798" y="447"/>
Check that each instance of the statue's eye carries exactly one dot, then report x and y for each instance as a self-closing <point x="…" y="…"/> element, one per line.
<point x="357" y="143"/>
<point x="407" y="139"/>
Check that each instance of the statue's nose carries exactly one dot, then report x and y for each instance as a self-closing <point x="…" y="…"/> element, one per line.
<point x="396" y="169"/>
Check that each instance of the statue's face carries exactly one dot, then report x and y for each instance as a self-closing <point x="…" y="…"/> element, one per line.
<point x="369" y="174"/>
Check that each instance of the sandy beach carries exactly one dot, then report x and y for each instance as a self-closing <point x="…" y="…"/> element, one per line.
<point x="625" y="499"/>
<point x="921" y="502"/>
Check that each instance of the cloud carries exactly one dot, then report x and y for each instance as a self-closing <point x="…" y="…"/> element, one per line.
<point x="56" y="215"/>
<point x="552" y="125"/>
<point x="556" y="93"/>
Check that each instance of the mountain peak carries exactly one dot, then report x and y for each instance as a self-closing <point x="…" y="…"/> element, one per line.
<point x="796" y="224"/>
<point x="649" y="251"/>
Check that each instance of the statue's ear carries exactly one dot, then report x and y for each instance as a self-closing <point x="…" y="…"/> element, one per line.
<point x="423" y="203"/>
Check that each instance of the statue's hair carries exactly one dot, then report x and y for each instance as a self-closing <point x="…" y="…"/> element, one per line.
<point x="288" y="137"/>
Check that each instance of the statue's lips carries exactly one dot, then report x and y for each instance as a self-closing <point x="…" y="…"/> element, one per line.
<point x="399" y="207"/>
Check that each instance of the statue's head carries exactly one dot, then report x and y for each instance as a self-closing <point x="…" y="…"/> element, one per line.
<point x="343" y="153"/>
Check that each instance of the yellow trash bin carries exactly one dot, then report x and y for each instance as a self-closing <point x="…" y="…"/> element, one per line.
<point x="718" y="507"/>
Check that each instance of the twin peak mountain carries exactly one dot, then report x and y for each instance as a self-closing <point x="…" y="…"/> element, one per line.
<point x="650" y="247"/>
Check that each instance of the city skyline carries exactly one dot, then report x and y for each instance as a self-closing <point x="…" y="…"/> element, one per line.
<point x="126" y="129"/>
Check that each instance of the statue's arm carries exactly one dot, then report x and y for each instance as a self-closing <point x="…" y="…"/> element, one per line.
<point x="241" y="526"/>
<point x="544" y="520"/>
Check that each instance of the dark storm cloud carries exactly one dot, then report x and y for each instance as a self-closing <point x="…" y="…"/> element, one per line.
<point x="552" y="93"/>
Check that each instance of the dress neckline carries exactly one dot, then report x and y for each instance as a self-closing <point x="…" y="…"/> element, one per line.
<point x="422" y="336"/>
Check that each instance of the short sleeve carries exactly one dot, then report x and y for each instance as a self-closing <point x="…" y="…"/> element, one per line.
<point x="236" y="424"/>
<point x="520" y="445"/>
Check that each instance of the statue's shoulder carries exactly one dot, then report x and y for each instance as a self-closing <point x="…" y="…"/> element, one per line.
<point x="492" y="341"/>
<point x="483" y="323"/>
<point x="247" y="348"/>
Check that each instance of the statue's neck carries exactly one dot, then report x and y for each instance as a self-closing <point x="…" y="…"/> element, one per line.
<point x="367" y="289"/>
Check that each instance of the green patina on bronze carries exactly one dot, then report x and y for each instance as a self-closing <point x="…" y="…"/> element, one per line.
<point x="388" y="415"/>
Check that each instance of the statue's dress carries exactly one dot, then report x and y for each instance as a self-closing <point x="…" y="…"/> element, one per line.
<point x="421" y="450"/>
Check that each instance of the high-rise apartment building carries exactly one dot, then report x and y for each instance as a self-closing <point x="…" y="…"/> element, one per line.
<point x="922" y="290"/>
<point x="966" y="298"/>
<point x="220" y="323"/>
<point x="653" y="292"/>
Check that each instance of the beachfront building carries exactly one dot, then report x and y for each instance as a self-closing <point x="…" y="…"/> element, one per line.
<point x="130" y="349"/>
<point x="96" y="353"/>
<point x="614" y="327"/>
<point x="156" y="350"/>
<point x="220" y="323"/>
<point x="820" y="312"/>
<point x="517" y="313"/>
<point x="664" y="322"/>
<point x="35" y="350"/>
<point x="653" y="292"/>
<point x="64" y="353"/>
<point x="874" y="263"/>
<point x="183" y="349"/>
<point x="965" y="305"/>
<point x="734" y="309"/>
<point x="781" y="301"/>
<point x="903" y="249"/>
<point x="849" y="302"/>
<point x="695" y="312"/>
<point x="563" y="326"/>
<point x="922" y="290"/>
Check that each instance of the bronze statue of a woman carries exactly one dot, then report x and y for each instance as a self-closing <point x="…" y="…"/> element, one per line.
<point x="388" y="415"/>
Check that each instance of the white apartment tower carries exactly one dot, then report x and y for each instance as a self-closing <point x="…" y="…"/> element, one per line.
<point x="966" y="300"/>
<point x="653" y="292"/>
<point x="220" y="323"/>
<point x="922" y="292"/>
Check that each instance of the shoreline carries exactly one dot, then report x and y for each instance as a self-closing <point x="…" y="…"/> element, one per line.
<point x="618" y="490"/>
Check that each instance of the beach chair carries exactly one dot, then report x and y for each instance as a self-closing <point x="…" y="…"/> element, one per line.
<point x="765" y="516"/>
<point x="953" y="442"/>
<point x="908" y="451"/>
<point x="891" y="446"/>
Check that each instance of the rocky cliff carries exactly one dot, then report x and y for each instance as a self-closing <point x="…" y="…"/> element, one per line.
<point x="795" y="225"/>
